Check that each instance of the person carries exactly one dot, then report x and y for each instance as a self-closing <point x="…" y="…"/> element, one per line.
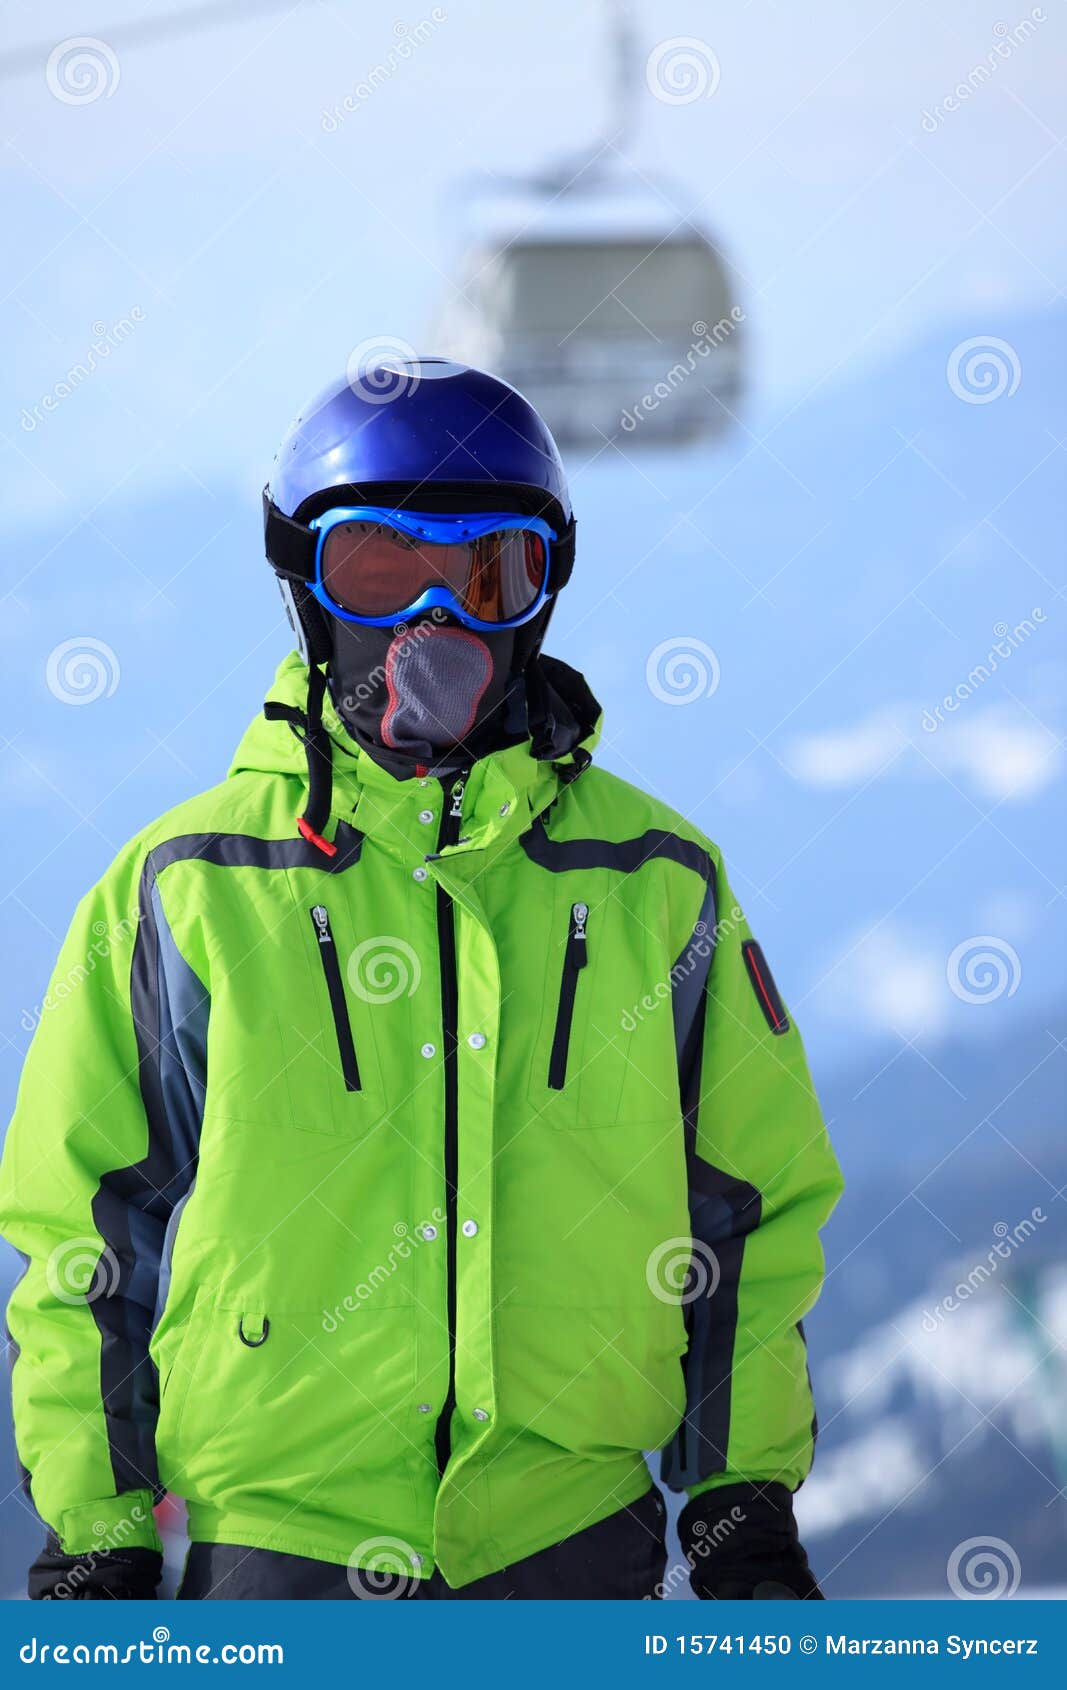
<point x="415" y="1133"/>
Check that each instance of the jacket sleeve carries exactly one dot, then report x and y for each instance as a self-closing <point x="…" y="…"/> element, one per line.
<point x="762" y="1181"/>
<point x="93" y="1165"/>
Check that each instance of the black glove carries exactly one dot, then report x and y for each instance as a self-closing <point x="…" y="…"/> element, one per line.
<point x="100" y="1575"/>
<point x="741" y="1543"/>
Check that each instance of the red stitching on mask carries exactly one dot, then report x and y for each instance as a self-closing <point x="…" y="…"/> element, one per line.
<point x="394" y="698"/>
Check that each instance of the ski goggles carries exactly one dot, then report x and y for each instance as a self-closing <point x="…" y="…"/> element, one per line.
<point x="377" y="566"/>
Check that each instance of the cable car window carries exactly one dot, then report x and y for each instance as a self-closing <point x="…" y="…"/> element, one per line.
<point x="613" y="288"/>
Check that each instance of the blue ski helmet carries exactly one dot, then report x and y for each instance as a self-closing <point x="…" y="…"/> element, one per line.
<point x="418" y="434"/>
<point x="424" y="424"/>
<point x="412" y="433"/>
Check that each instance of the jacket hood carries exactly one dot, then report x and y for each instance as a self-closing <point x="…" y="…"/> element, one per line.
<point x="508" y="786"/>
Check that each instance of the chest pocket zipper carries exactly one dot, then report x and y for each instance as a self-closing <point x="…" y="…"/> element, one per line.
<point x="331" y="968"/>
<point x="575" y="958"/>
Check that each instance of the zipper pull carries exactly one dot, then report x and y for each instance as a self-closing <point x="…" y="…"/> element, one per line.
<point x="448" y="832"/>
<point x="579" y="918"/>
<point x="321" y="917"/>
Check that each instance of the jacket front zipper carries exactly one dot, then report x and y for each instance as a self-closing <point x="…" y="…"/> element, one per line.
<point x="448" y="834"/>
<point x="331" y="968"/>
<point x="574" y="960"/>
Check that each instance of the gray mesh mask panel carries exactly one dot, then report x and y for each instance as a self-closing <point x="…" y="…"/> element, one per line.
<point x="436" y="679"/>
<point x="429" y="696"/>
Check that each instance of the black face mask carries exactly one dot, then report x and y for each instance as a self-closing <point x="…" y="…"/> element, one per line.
<point x="436" y="695"/>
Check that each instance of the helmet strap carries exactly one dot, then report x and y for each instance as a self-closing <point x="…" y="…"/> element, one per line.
<point x="313" y="639"/>
<point x="320" y="764"/>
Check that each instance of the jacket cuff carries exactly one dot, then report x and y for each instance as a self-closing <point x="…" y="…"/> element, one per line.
<point x="741" y="1541"/>
<point x="736" y="1521"/>
<point x="751" y="1482"/>
<point x="115" y="1522"/>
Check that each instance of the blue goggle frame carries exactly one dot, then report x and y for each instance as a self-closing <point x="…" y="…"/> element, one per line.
<point x="441" y="530"/>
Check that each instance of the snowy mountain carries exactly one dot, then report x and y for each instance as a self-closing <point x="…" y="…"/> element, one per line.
<point x="938" y="1349"/>
<point x="943" y="1430"/>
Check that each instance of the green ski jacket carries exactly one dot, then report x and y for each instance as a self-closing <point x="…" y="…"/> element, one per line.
<point x="387" y="1205"/>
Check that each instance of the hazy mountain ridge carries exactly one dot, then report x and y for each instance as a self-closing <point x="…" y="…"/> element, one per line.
<point x="939" y="1344"/>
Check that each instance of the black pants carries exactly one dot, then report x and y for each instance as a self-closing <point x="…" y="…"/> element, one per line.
<point x="621" y="1558"/>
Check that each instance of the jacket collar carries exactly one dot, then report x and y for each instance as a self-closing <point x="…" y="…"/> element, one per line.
<point x="503" y="793"/>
